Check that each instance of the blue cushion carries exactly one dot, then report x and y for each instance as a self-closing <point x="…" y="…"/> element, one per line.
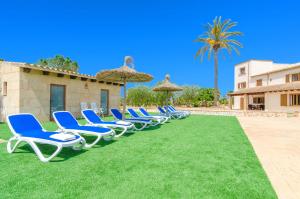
<point x="92" y="116"/>
<point x="95" y="119"/>
<point x="161" y="110"/>
<point x="65" y="119"/>
<point x="45" y="135"/>
<point x="132" y="112"/>
<point x="138" y="120"/>
<point x="24" y="122"/>
<point x="92" y="129"/>
<point x="144" y="112"/>
<point x="116" y="113"/>
<point x="27" y="126"/>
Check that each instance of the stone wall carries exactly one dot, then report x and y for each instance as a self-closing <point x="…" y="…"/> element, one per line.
<point x="35" y="93"/>
<point x="10" y="103"/>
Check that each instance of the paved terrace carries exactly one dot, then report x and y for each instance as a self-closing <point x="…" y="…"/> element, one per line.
<point x="276" y="142"/>
<point x="228" y="112"/>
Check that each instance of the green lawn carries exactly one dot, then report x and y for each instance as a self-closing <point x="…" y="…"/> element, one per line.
<point x="197" y="157"/>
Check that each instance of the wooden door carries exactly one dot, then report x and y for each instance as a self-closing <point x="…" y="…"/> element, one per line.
<point x="242" y="103"/>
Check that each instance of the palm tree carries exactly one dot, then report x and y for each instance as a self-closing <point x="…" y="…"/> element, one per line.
<point x="218" y="36"/>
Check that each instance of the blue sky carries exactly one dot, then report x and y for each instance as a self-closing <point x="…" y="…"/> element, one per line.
<point x="158" y="34"/>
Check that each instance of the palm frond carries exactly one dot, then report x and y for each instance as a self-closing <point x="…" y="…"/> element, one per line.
<point x="231" y="34"/>
<point x="229" y="26"/>
<point x="217" y="36"/>
<point x="235" y="42"/>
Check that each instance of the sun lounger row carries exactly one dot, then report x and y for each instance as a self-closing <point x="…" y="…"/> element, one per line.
<point x="26" y="128"/>
<point x="172" y="112"/>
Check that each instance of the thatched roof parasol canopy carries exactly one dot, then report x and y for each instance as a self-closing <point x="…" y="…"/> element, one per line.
<point x="124" y="74"/>
<point x="167" y="85"/>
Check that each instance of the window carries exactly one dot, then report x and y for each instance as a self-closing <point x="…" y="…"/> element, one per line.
<point x="242" y="71"/>
<point x="287" y="79"/>
<point x="241" y="85"/>
<point x="259" y="82"/>
<point x="283" y="100"/>
<point x="295" y="77"/>
<point x="4" y="90"/>
<point x="295" y="99"/>
<point x="258" y="100"/>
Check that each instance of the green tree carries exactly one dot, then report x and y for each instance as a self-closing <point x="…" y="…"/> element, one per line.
<point x="61" y="62"/>
<point x="188" y="96"/>
<point x="140" y="96"/>
<point x="218" y="36"/>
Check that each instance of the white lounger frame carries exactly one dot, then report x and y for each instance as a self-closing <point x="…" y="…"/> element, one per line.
<point x="32" y="142"/>
<point x="125" y="129"/>
<point x="111" y="133"/>
<point x="144" y="124"/>
<point x="155" y="121"/>
<point x="163" y="118"/>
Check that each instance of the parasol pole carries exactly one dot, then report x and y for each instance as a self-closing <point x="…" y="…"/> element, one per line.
<point x="167" y="98"/>
<point x="124" y="102"/>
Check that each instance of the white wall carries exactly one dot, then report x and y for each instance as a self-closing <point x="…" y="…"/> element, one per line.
<point x="272" y="103"/>
<point x="236" y="102"/>
<point x="260" y="66"/>
<point x="264" y="78"/>
<point x="240" y="78"/>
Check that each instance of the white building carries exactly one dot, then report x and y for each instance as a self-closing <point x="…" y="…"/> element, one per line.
<point x="260" y="84"/>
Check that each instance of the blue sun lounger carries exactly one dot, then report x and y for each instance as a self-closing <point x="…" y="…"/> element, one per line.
<point x="174" y="114"/>
<point x="134" y="114"/>
<point x="67" y="123"/>
<point x="186" y="113"/>
<point x="146" y="114"/>
<point x="26" y="128"/>
<point x="143" y="122"/>
<point x="94" y="120"/>
<point x="163" y="112"/>
<point x="166" y="113"/>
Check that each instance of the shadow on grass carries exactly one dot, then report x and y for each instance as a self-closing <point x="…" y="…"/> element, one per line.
<point x="65" y="154"/>
<point x="101" y="143"/>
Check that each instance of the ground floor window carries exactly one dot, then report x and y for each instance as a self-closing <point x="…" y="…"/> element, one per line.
<point x="295" y="99"/>
<point x="258" y="100"/>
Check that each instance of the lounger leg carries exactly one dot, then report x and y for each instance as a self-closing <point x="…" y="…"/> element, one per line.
<point x="144" y="126"/>
<point x="93" y="143"/>
<point x="109" y="137"/>
<point x="165" y="120"/>
<point x="156" y="123"/>
<point x="82" y="144"/>
<point x="9" y="147"/>
<point x="120" y="134"/>
<point x="39" y="153"/>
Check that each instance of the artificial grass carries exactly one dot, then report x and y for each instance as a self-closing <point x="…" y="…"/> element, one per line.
<point x="196" y="157"/>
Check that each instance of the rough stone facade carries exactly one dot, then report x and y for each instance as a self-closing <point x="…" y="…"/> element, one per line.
<point x="29" y="92"/>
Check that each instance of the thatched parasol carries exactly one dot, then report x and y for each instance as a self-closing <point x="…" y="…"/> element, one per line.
<point x="124" y="74"/>
<point x="167" y="86"/>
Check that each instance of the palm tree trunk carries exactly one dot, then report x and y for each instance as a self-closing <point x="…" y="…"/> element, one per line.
<point x="216" y="88"/>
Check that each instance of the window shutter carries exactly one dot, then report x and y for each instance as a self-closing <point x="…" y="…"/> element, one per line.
<point x="287" y="79"/>
<point x="283" y="100"/>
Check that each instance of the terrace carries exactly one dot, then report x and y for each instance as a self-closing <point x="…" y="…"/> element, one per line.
<point x="197" y="157"/>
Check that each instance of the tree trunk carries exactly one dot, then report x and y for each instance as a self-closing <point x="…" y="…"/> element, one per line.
<point x="216" y="88"/>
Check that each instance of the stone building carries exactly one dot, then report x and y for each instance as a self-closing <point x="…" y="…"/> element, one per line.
<point x="28" y="88"/>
